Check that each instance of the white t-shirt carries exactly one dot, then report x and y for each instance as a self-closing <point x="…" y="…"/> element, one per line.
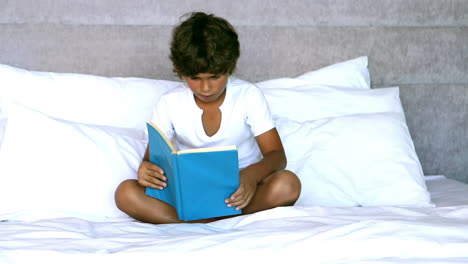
<point x="244" y="115"/>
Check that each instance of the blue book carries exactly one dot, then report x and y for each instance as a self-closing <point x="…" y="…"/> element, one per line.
<point x="198" y="180"/>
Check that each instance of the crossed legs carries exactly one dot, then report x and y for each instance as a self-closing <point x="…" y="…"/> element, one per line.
<point x="281" y="188"/>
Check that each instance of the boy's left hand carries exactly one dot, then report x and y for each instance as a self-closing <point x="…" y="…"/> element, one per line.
<point x="242" y="196"/>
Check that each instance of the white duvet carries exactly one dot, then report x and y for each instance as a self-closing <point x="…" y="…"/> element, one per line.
<point x="281" y="235"/>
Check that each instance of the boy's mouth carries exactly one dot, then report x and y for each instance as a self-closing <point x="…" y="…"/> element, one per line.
<point x="205" y="97"/>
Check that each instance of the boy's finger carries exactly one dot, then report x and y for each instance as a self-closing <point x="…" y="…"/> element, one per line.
<point x="158" y="182"/>
<point x="236" y="195"/>
<point x="151" y="167"/>
<point x="244" y="203"/>
<point x="236" y="201"/>
<point x="153" y="182"/>
<point x="154" y="186"/>
<point x="156" y="175"/>
<point x="239" y="204"/>
<point x="155" y="168"/>
<point x="146" y="183"/>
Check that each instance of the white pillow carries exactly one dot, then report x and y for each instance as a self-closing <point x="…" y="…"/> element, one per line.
<point x="355" y="160"/>
<point x="348" y="74"/>
<point x="3" y="121"/>
<point x="55" y="168"/>
<point x="87" y="99"/>
<point x="351" y="73"/>
<point x="302" y="103"/>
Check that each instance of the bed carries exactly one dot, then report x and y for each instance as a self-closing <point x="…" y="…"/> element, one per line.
<point x="296" y="234"/>
<point x="369" y="97"/>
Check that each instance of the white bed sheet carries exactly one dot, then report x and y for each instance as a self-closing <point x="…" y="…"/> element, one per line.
<point x="291" y="234"/>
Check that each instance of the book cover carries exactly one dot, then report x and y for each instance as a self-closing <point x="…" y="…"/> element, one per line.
<point x="198" y="180"/>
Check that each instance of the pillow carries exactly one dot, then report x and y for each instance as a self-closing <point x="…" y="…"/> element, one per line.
<point x="354" y="160"/>
<point x="3" y="121"/>
<point x="349" y="74"/>
<point x="302" y="103"/>
<point x="55" y="168"/>
<point x="87" y="99"/>
<point x="327" y="92"/>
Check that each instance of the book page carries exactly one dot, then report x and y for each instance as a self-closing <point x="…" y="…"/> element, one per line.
<point x="213" y="149"/>
<point x="169" y="143"/>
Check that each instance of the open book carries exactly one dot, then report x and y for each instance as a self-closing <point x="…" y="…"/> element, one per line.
<point x="198" y="180"/>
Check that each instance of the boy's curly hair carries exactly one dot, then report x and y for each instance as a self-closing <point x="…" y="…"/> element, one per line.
<point x="204" y="43"/>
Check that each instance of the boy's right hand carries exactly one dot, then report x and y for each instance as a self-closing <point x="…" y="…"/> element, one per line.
<point x="151" y="175"/>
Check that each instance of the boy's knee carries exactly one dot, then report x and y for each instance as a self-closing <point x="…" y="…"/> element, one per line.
<point x="125" y="193"/>
<point x="292" y="186"/>
<point x="286" y="188"/>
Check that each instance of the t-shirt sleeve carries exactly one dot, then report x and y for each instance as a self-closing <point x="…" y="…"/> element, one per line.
<point x="161" y="118"/>
<point x="258" y="112"/>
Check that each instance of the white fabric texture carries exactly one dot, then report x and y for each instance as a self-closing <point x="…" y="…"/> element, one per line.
<point x="50" y="167"/>
<point x="358" y="152"/>
<point x="3" y="121"/>
<point x="245" y="114"/>
<point x="346" y="74"/>
<point x="351" y="73"/>
<point x="87" y="99"/>
<point x="305" y="102"/>
<point x="355" y="160"/>
<point x="298" y="234"/>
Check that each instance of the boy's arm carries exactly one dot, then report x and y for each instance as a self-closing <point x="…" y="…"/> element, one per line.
<point x="146" y="156"/>
<point x="274" y="159"/>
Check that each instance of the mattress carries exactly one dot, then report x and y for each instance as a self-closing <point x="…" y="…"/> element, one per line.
<point x="295" y="234"/>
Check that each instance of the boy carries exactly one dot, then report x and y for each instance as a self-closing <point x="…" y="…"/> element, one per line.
<point x="212" y="109"/>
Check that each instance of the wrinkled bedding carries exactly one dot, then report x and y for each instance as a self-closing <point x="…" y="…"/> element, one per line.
<point x="298" y="234"/>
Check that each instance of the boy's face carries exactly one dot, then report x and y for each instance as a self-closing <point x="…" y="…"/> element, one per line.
<point x="207" y="87"/>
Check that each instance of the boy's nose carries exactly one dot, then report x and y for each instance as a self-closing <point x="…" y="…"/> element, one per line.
<point x="204" y="87"/>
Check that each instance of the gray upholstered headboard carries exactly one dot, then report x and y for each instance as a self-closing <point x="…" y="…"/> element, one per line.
<point x="419" y="45"/>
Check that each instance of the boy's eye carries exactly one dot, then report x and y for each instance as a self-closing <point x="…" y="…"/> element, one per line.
<point x="214" y="77"/>
<point x="194" y="78"/>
